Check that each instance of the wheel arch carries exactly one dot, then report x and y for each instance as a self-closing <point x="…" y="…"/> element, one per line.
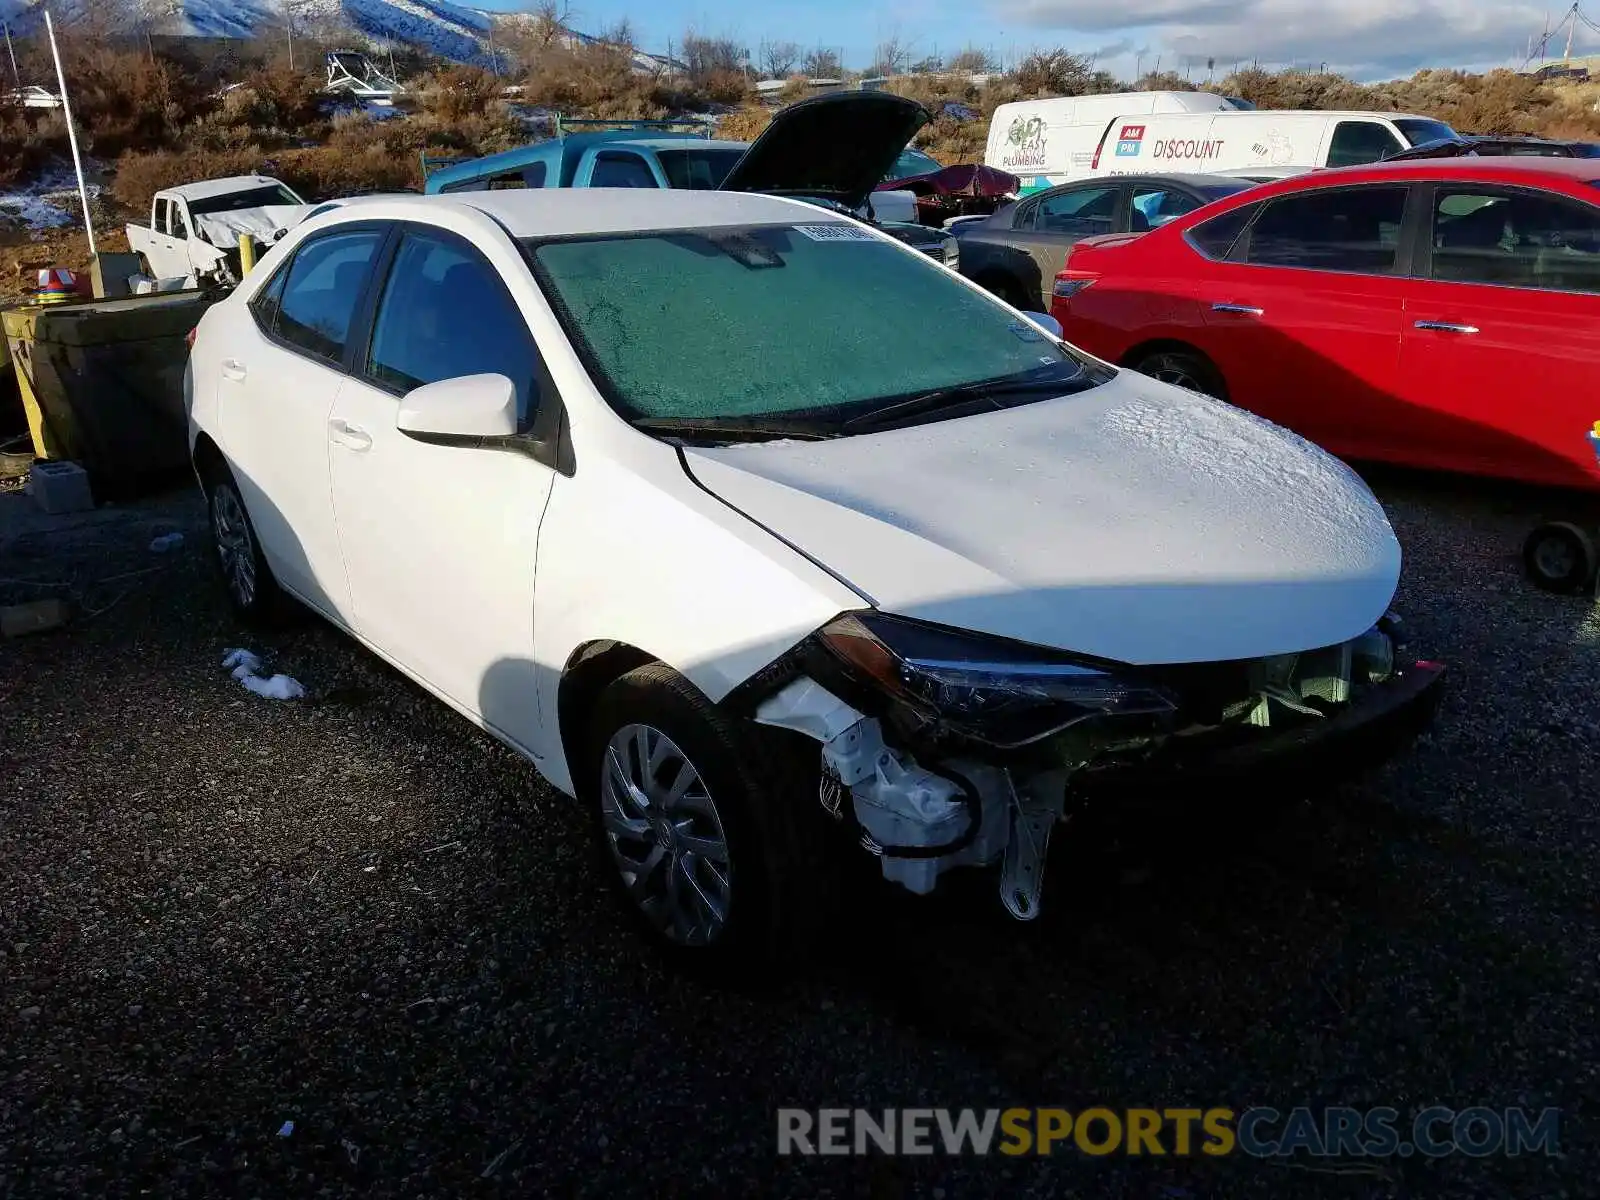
<point x="590" y="669"/>
<point x="1170" y="345"/>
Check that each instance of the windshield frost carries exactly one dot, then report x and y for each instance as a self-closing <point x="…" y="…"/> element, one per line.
<point x="816" y="320"/>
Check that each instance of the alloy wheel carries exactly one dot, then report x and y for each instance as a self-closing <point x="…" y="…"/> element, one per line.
<point x="665" y="835"/>
<point x="235" y="547"/>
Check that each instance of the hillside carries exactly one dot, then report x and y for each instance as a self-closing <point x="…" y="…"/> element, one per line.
<point x="434" y="27"/>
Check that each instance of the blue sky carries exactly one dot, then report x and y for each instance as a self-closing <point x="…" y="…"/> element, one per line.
<point x="1366" y="38"/>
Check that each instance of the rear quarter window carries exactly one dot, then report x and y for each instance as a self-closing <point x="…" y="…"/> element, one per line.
<point x="1214" y="238"/>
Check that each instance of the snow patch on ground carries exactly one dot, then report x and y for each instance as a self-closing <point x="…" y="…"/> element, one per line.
<point x="49" y="202"/>
<point x="245" y="667"/>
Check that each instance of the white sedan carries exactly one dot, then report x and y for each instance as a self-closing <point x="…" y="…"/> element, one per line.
<point x="773" y="541"/>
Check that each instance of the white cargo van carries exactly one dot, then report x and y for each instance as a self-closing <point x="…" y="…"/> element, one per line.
<point x="1237" y="142"/>
<point x="1046" y="142"/>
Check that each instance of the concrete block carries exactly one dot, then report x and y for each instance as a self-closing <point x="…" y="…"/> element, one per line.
<point x="60" y="487"/>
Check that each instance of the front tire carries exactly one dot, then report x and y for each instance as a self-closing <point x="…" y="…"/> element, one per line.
<point x="707" y="828"/>
<point x="1185" y="369"/>
<point x="252" y="591"/>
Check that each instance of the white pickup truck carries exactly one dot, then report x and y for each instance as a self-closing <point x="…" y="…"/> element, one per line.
<point x="194" y="229"/>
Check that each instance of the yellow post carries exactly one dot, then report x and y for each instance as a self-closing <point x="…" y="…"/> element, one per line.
<point x="247" y="253"/>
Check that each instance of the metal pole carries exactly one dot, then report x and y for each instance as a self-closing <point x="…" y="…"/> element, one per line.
<point x="72" y="136"/>
<point x="15" y="75"/>
<point x="288" y="30"/>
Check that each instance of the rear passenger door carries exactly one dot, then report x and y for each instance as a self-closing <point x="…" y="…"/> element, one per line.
<point x="1500" y="360"/>
<point x="1304" y="319"/>
<point x="439" y="541"/>
<point x="282" y="372"/>
<point x="1056" y="220"/>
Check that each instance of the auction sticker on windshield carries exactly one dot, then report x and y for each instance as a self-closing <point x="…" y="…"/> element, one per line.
<point x="839" y="232"/>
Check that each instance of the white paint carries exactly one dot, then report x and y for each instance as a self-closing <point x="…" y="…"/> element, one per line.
<point x="1055" y="138"/>
<point x="471" y="406"/>
<point x="1134" y="522"/>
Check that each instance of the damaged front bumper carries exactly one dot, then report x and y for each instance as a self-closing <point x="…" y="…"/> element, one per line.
<point x="926" y="797"/>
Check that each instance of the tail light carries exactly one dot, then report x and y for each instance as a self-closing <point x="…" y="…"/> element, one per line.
<point x="188" y="338"/>
<point x="1069" y="283"/>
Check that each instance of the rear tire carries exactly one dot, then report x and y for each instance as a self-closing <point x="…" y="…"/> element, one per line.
<point x="1186" y="369"/>
<point x="1560" y="557"/>
<point x="709" y="827"/>
<point x="252" y="591"/>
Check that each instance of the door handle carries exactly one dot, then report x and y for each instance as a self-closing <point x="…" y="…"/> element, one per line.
<point x="233" y="369"/>
<point x="349" y="436"/>
<point x="1243" y="310"/>
<point x="1446" y="327"/>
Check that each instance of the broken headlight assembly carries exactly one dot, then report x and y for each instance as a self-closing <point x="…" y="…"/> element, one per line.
<point x="1002" y="693"/>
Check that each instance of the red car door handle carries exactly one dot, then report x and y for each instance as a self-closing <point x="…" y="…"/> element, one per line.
<point x="1244" y="310"/>
<point x="1446" y="327"/>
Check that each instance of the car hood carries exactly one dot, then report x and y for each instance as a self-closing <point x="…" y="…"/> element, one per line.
<point x="838" y="146"/>
<point x="1135" y="522"/>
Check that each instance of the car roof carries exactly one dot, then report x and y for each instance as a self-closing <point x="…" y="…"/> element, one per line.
<point x="574" y="144"/>
<point x="1485" y="166"/>
<point x="564" y="212"/>
<point x="220" y="187"/>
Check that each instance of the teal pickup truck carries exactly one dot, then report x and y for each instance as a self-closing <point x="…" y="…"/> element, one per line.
<point x="831" y="151"/>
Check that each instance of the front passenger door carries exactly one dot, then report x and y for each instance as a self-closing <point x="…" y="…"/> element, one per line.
<point x="439" y="541"/>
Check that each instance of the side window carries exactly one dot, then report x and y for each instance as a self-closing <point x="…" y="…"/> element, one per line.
<point x="322" y="287"/>
<point x="1357" y="142"/>
<point x="533" y="174"/>
<point x="1080" y="213"/>
<point x="163" y="221"/>
<point x="1157" y="206"/>
<point x="1023" y="216"/>
<point x="1355" y="230"/>
<point x="445" y="313"/>
<point x="179" y="228"/>
<point x="1214" y="238"/>
<point x="265" y="303"/>
<point x="1516" y="239"/>
<point x="619" y="170"/>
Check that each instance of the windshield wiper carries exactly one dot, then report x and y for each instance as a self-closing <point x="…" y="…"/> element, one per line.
<point x="983" y="389"/>
<point x="739" y="429"/>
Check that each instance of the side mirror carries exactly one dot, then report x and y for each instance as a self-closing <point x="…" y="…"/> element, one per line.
<point x="1047" y="323"/>
<point x="467" y="411"/>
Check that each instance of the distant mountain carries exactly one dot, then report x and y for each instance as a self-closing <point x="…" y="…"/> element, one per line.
<point x="450" y="31"/>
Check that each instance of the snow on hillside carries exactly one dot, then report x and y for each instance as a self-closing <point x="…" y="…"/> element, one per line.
<point x="451" y="31"/>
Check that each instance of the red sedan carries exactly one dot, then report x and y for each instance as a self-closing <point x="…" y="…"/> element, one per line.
<point x="1441" y="314"/>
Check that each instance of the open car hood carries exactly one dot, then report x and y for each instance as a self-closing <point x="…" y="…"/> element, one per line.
<point x="1133" y="522"/>
<point x="838" y="146"/>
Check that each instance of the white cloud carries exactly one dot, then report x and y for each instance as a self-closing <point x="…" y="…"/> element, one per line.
<point x="1367" y="38"/>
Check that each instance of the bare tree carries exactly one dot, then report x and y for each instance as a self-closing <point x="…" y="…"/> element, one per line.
<point x="708" y="56"/>
<point x="891" y="56"/>
<point x="972" y="59"/>
<point x="821" y="64"/>
<point x="778" y="59"/>
<point x="1056" y="72"/>
<point x="549" y="23"/>
<point x="931" y="65"/>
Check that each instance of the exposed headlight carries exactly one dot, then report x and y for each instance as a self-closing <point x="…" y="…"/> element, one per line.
<point x="1004" y="693"/>
<point x="952" y="253"/>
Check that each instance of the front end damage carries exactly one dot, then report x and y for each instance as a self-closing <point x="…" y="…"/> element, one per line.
<point x="943" y="749"/>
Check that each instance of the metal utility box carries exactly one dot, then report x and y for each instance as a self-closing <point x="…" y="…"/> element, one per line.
<point x="102" y="382"/>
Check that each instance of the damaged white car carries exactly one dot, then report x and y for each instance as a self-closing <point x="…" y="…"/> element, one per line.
<point x="773" y="541"/>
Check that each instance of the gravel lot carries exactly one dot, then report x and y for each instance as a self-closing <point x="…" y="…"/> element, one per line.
<point x="220" y="913"/>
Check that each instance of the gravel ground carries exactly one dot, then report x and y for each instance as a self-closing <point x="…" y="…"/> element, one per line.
<point x="354" y="912"/>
